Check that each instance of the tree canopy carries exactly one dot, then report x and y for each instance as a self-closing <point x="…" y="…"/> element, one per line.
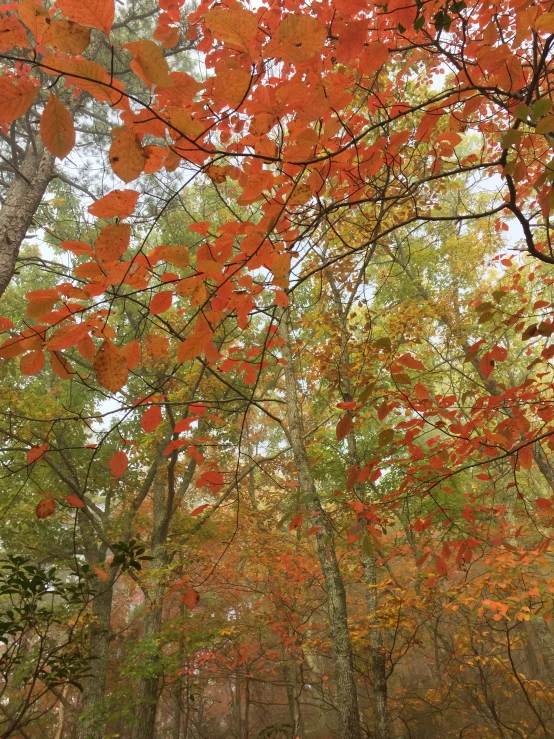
<point x="276" y="412"/>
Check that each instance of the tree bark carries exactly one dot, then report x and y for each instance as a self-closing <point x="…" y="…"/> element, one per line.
<point x="24" y="196"/>
<point x="148" y="685"/>
<point x="92" y="720"/>
<point x="347" y="698"/>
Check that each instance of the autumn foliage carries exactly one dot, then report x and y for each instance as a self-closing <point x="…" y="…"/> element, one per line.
<point x="277" y="382"/>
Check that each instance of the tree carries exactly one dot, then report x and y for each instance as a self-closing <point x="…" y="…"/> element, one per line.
<point x="285" y="191"/>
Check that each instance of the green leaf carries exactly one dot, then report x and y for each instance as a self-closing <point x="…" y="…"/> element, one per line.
<point x="540" y="108"/>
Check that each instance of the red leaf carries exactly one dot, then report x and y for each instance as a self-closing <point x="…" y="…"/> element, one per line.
<point x="486" y="365"/>
<point x="525" y="457"/>
<point x="46" y="507"/>
<point x="408" y="360"/>
<point x="441" y="567"/>
<point x="191" y="598"/>
<point x="296" y="522"/>
<point x="101" y="575"/>
<point x="75" y="501"/>
<point x="119" y="463"/>
<point x="151" y="419"/>
<point x="36" y="452"/>
<point x="212" y="479"/>
<point x="200" y="509"/>
<point x="343" y="427"/>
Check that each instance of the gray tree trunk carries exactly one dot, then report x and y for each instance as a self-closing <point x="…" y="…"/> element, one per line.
<point x="92" y="720"/>
<point x="347" y="697"/>
<point x="24" y="196"/>
<point x="148" y="686"/>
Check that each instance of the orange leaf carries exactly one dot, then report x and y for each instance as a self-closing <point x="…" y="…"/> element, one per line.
<point x="40" y="302"/>
<point x="112" y="242"/>
<point x="33" y="16"/>
<point x="16" y="97"/>
<point x="191" y="598"/>
<point x="299" y="38"/>
<point x="94" y="13"/>
<point x="66" y="36"/>
<point x="60" y="366"/>
<point x="46" y="507"/>
<point x="343" y="427"/>
<point x="127" y="156"/>
<point x="151" y="62"/>
<point x="68" y="336"/>
<point x="238" y="26"/>
<point x="101" y="575"/>
<point x="12" y="348"/>
<point x="119" y="463"/>
<point x="110" y="366"/>
<point x="161" y="302"/>
<point x="202" y="227"/>
<point x="32" y="363"/>
<point x="131" y="352"/>
<point x="74" y="501"/>
<point x="36" y="452"/>
<point x="151" y="419"/>
<point x="12" y="34"/>
<point x="119" y="203"/>
<point x="192" y="347"/>
<point x="77" y="247"/>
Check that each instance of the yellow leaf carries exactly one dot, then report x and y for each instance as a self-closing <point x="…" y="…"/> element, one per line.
<point x="238" y="27"/>
<point x="67" y="36"/>
<point x="16" y="97"/>
<point x="126" y="155"/>
<point x="110" y="366"/>
<point x="151" y="62"/>
<point x="56" y="128"/>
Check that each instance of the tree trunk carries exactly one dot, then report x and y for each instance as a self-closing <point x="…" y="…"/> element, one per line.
<point x="91" y="724"/>
<point x="347" y="698"/>
<point x="24" y="196"/>
<point x="378" y="661"/>
<point x="369" y="562"/>
<point x="291" y="683"/>
<point x="148" y="686"/>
